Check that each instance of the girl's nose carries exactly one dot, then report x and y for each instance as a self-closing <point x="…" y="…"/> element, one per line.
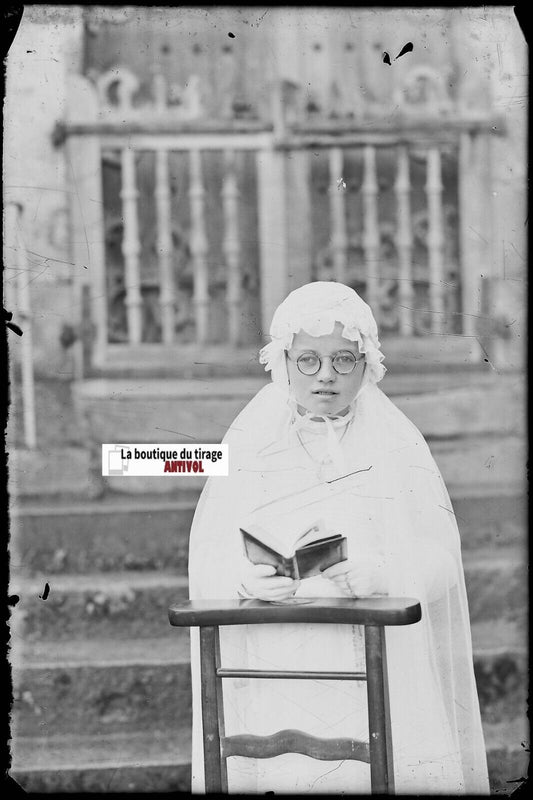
<point x="326" y="371"/>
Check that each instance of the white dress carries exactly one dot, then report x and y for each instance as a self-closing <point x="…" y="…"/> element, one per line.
<point x="379" y="486"/>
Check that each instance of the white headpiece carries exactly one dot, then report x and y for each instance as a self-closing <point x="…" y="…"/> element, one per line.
<point x="315" y="308"/>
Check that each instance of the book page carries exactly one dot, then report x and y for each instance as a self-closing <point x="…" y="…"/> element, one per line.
<point x="284" y="532"/>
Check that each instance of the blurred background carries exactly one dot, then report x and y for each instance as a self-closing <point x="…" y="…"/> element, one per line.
<point x="170" y="174"/>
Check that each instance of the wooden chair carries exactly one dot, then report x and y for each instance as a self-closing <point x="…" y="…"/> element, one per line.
<point x="372" y="613"/>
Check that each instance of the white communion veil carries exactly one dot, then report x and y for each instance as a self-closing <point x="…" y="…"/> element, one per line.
<point x="386" y="495"/>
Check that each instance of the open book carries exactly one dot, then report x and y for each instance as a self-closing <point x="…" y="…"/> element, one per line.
<point x="311" y="552"/>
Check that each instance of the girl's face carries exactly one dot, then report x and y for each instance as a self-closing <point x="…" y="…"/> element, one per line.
<point x="326" y="392"/>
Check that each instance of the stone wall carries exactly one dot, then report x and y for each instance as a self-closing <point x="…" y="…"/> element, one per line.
<point x="46" y="47"/>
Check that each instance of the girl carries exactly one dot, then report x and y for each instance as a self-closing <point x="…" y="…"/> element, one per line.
<point x="323" y="442"/>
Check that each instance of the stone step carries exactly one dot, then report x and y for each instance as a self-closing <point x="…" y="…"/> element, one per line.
<point x="409" y="371"/>
<point x="123" y="411"/>
<point x="96" y="606"/>
<point x="459" y="401"/>
<point x="58" y="471"/>
<point x="507" y="747"/>
<point x="110" y="534"/>
<point x="418" y="355"/>
<point x="501" y="668"/>
<point x="103" y="535"/>
<point x="160" y="761"/>
<point x="130" y="604"/>
<point x="139" y="761"/>
<point x="485" y="463"/>
<point x="497" y="584"/>
<point x="102" y="687"/>
<point x="105" y="686"/>
<point x="440" y="404"/>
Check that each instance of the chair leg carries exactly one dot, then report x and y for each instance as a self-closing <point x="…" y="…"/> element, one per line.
<point x="381" y="762"/>
<point x="212" y="712"/>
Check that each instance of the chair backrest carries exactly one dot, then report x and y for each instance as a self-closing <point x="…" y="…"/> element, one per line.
<point x="374" y="614"/>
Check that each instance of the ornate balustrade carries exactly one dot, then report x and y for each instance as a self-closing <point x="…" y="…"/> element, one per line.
<point x="195" y="230"/>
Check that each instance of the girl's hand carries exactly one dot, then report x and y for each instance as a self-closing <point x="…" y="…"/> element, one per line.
<point x="261" y="582"/>
<point x="360" y="578"/>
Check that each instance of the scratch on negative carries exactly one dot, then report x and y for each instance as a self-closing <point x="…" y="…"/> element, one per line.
<point x="452" y="512"/>
<point x="357" y="471"/>
<point x="178" y="433"/>
<point x="222" y="424"/>
<point x="487" y="359"/>
<point x="271" y="471"/>
<point x="326" y="773"/>
<point x="76" y="189"/>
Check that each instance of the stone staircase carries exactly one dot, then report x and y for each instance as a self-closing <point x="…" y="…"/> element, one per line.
<point x="101" y="681"/>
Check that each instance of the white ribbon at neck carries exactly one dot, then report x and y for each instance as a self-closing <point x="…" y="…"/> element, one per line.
<point x="335" y="427"/>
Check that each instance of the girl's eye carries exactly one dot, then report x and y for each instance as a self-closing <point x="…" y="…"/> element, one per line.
<point x="345" y="359"/>
<point x="308" y="359"/>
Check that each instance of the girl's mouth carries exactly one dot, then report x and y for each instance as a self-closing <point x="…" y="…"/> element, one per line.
<point x="325" y="393"/>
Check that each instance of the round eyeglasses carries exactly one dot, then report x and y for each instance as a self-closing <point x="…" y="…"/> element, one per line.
<point x="343" y="363"/>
